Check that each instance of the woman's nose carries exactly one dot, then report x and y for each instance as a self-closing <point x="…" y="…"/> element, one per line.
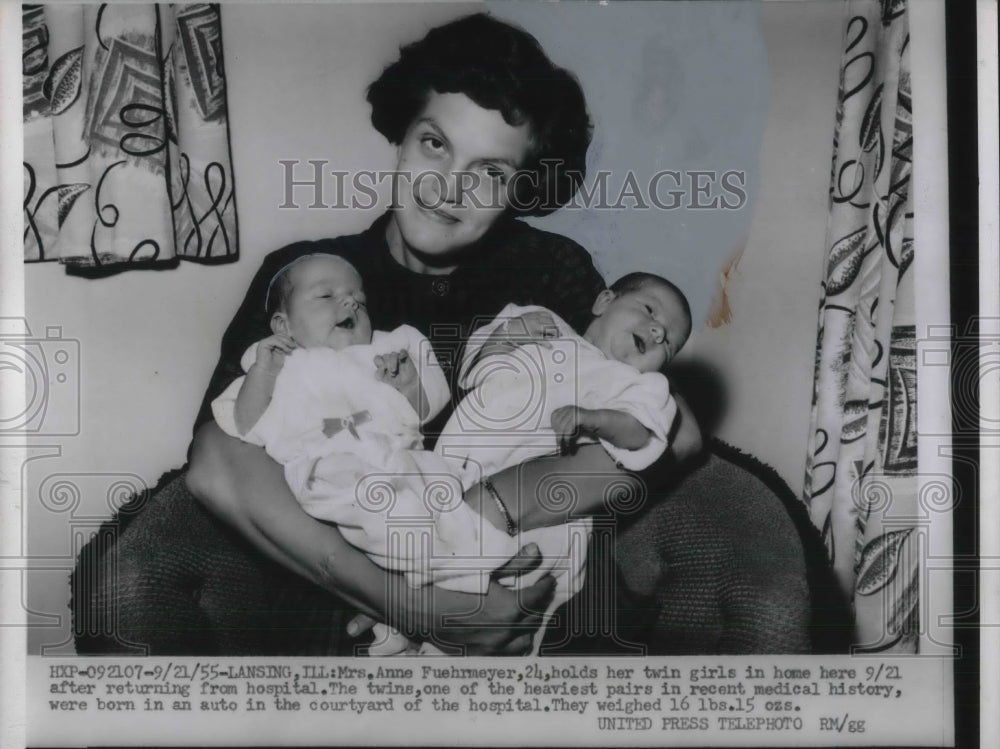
<point x="450" y="186"/>
<point x="455" y="183"/>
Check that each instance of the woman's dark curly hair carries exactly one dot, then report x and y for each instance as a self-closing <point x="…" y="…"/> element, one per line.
<point x="499" y="67"/>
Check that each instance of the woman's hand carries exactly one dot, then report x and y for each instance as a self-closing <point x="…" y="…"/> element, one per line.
<point x="686" y="439"/>
<point x="503" y="622"/>
<point x="245" y="488"/>
<point x="532" y="327"/>
<point x="570" y="423"/>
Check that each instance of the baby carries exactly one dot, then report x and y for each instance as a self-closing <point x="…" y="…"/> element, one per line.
<point x="603" y="385"/>
<point x="340" y="407"/>
<point x="537" y="386"/>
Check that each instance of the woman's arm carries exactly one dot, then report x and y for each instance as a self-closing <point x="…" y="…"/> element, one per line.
<point x="686" y="439"/>
<point x="532" y="491"/>
<point x="247" y="489"/>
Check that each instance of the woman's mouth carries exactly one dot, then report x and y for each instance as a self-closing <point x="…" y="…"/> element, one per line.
<point x="435" y="213"/>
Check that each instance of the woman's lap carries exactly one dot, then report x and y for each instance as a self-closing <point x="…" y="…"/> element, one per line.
<point x="714" y="566"/>
<point x="169" y="578"/>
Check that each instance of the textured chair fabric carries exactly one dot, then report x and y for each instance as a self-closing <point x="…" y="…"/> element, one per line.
<point x="725" y="562"/>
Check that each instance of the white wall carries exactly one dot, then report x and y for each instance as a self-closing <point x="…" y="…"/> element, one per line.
<point x="765" y="356"/>
<point x="148" y="340"/>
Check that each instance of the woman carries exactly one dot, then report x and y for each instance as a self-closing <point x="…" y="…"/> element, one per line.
<point x="486" y="128"/>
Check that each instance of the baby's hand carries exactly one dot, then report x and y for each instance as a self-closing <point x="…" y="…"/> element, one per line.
<point x="397" y="369"/>
<point x="569" y="422"/>
<point x="532" y="327"/>
<point x="271" y="352"/>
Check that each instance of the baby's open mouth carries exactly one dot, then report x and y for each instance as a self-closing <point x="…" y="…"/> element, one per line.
<point x="347" y="323"/>
<point x="640" y="344"/>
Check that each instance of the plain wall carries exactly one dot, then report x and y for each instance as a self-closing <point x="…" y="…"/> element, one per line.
<point x="765" y="355"/>
<point x="752" y="87"/>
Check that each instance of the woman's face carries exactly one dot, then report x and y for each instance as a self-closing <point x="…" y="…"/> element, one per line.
<point x="455" y="167"/>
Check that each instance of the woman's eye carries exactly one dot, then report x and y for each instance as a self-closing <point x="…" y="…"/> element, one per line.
<point x="432" y="143"/>
<point x="498" y="175"/>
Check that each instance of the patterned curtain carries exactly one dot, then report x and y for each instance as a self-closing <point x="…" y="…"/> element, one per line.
<point x="861" y="473"/>
<point x="126" y="141"/>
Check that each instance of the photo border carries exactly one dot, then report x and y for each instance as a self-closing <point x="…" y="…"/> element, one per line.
<point x="967" y="308"/>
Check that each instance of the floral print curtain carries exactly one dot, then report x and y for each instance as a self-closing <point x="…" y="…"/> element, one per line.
<point x="861" y="475"/>
<point x="126" y="140"/>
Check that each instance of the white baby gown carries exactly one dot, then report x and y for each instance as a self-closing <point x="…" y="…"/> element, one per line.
<point x="353" y="455"/>
<point x="506" y="420"/>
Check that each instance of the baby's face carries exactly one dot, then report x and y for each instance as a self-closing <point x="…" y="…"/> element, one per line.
<point x="326" y="306"/>
<point x="643" y="328"/>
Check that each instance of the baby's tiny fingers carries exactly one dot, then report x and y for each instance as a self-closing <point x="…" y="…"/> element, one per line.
<point x="392" y="363"/>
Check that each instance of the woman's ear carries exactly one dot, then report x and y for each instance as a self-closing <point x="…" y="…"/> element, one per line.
<point x="601" y="303"/>
<point x="279" y="324"/>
